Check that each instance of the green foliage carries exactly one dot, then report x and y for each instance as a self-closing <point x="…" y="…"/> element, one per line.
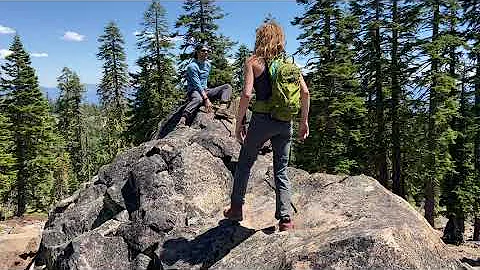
<point x="471" y="10"/>
<point x="444" y="102"/>
<point x="7" y="160"/>
<point x="96" y="154"/>
<point x="33" y="130"/>
<point x="113" y="87"/>
<point x="70" y="123"/>
<point x="199" y="25"/>
<point x="155" y="94"/>
<point x="337" y="113"/>
<point x="240" y="56"/>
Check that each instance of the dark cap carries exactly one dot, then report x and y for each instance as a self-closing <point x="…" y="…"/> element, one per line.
<point x="200" y="47"/>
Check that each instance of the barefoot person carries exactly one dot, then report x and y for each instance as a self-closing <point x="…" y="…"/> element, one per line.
<point x="269" y="45"/>
<point x="198" y="92"/>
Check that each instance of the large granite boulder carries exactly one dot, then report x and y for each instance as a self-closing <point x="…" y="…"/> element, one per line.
<point x="159" y="206"/>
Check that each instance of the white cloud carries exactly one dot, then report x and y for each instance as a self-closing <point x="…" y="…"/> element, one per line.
<point x="4" y="53"/>
<point x="73" y="36"/>
<point x="136" y="33"/>
<point x="6" y="30"/>
<point x="39" y="54"/>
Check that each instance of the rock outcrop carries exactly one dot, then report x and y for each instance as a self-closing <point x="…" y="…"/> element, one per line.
<point x="159" y="206"/>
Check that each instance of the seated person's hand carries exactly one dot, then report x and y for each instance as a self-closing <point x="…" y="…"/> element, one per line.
<point x="208" y="106"/>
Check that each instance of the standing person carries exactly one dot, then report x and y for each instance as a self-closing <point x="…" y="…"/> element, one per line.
<point x="198" y="92"/>
<point x="269" y="44"/>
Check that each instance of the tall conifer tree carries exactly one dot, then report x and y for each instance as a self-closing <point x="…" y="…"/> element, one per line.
<point x="442" y="108"/>
<point x="32" y="129"/>
<point x="372" y="41"/>
<point x="337" y="106"/>
<point x="155" y="94"/>
<point x="471" y="10"/>
<point x="70" y="123"/>
<point x="113" y="87"/>
<point x="403" y="21"/>
<point x="240" y="56"/>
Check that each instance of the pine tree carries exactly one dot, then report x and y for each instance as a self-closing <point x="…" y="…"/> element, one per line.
<point x="371" y="49"/>
<point x="453" y="186"/>
<point x="240" y="56"/>
<point x="155" y="93"/>
<point x="113" y="87"/>
<point x="200" y="27"/>
<point x="32" y="129"/>
<point x="337" y="106"/>
<point x="442" y="107"/>
<point x="143" y="122"/>
<point x="471" y="10"/>
<point x="61" y="175"/>
<point x="70" y="123"/>
<point x="456" y="195"/>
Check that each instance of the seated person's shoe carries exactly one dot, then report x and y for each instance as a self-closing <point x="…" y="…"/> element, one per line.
<point x="234" y="212"/>
<point x="285" y="224"/>
<point x="182" y="122"/>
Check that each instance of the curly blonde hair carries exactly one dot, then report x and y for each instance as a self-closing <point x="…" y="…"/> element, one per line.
<point x="270" y="40"/>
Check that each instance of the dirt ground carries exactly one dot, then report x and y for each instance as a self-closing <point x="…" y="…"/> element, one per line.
<point x="468" y="252"/>
<point x="19" y="241"/>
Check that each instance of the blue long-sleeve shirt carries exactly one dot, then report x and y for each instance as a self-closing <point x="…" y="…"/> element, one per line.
<point x="197" y="75"/>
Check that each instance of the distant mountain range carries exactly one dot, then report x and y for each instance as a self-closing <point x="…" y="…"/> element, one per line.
<point x="90" y="95"/>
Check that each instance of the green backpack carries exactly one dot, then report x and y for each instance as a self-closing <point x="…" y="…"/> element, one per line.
<point x="284" y="104"/>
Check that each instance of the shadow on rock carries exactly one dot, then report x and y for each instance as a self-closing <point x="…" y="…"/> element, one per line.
<point x="169" y="123"/>
<point x="471" y="262"/>
<point x="231" y="165"/>
<point x="207" y="248"/>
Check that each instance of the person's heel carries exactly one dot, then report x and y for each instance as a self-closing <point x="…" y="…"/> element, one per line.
<point x="234" y="212"/>
<point x="285" y="224"/>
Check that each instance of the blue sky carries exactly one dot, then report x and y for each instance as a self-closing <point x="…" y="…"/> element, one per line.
<point x="62" y="33"/>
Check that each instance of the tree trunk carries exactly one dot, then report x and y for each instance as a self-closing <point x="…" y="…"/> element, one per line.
<point x="21" y="183"/>
<point x="430" y="185"/>
<point x="453" y="232"/>
<point x="382" y="169"/>
<point x="476" y="229"/>
<point x="476" y="232"/>
<point x="398" y="185"/>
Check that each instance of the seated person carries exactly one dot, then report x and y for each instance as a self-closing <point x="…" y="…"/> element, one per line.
<point x="198" y="92"/>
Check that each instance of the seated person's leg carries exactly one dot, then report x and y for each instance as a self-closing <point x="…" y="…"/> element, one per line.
<point x="222" y="93"/>
<point x="190" y="109"/>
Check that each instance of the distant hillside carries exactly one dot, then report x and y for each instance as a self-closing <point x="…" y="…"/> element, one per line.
<point x="90" y="96"/>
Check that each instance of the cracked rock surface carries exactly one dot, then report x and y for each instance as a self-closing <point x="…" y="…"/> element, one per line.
<point x="159" y="206"/>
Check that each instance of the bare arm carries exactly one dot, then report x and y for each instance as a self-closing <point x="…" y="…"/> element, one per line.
<point x="303" y="130"/>
<point x="305" y="99"/>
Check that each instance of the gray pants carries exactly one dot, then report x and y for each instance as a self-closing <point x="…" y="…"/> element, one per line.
<point x="223" y="93"/>
<point x="262" y="128"/>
